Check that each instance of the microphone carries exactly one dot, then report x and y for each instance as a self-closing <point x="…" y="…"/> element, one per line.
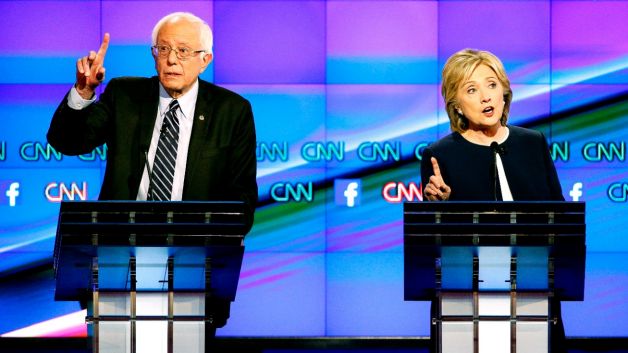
<point x="496" y="149"/>
<point x="150" y="176"/>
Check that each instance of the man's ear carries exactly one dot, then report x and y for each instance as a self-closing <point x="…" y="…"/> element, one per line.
<point x="207" y="59"/>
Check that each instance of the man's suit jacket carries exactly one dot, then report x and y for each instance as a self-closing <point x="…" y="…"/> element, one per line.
<point x="221" y="162"/>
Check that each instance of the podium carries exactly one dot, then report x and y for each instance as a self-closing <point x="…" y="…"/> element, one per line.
<point x="149" y="272"/>
<point x="492" y="270"/>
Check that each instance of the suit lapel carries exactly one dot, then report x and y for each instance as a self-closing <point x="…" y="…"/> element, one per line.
<point x="200" y="130"/>
<point x="147" y="113"/>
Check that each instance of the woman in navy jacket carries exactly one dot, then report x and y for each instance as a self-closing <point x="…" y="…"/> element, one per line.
<point x="484" y="158"/>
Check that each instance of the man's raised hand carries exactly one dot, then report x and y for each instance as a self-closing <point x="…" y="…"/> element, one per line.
<point x="90" y="70"/>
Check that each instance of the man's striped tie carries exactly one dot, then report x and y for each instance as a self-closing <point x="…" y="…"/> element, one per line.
<point x="166" y="156"/>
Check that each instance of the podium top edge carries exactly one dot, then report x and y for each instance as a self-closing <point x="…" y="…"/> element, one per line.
<point x="494" y="206"/>
<point x="133" y="205"/>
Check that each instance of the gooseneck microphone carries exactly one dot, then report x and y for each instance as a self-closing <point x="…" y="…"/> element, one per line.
<point x="501" y="150"/>
<point x="149" y="195"/>
<point x="496" y="150"/>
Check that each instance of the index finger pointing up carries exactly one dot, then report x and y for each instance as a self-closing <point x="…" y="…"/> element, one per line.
<point x="103" y="47"/>
<point x="435" y="167"/>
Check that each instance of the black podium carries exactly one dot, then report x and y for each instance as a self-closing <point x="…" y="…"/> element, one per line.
<point x="492" y="269"/>
<point x="148" y="271"/>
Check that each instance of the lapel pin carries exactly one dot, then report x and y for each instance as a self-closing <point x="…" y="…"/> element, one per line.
<point x="201" y="117"/>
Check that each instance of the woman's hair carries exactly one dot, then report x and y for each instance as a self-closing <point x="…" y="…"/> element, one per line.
<point x="458" y="68"/>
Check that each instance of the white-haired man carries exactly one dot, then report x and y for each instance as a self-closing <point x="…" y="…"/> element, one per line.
<point x="208" y="150"/>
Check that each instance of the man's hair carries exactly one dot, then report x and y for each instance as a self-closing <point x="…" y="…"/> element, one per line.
<point x="206" y="37"/>
<point x="458" y="68"/>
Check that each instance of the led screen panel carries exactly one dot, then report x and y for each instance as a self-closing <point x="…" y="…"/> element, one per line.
<point x="346" y="95"/>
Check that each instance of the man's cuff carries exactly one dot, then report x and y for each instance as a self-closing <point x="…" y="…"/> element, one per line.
<point x="75" y="101"/>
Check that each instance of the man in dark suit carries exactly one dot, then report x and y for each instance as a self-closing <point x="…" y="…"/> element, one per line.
<point x="208" y="132"/>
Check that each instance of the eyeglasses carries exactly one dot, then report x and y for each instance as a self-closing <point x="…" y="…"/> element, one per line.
<point x="183" y="53"/>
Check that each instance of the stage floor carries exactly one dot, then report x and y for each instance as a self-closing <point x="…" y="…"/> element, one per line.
<point x="300" y="345"/>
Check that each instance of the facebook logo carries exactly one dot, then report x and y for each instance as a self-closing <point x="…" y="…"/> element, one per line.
<point x="347" y="192"/>
<point x="576" y="191"/>
<point x="11" y="191"/>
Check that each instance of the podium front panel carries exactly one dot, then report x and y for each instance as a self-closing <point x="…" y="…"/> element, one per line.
<point x="442" y="238"/>
<point x="150" y="232"/>
<point x="150" y="272"/>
